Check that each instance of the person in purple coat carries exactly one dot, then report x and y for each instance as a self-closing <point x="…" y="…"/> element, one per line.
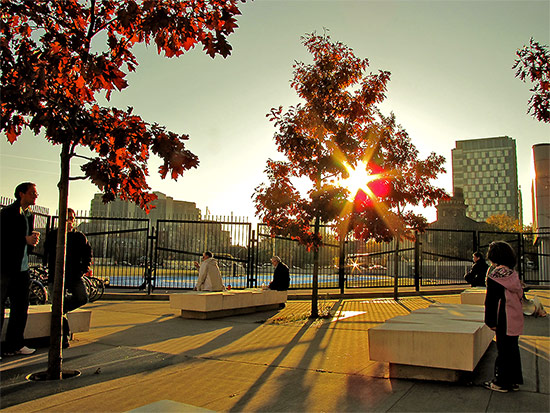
<point x="504" y="315"/>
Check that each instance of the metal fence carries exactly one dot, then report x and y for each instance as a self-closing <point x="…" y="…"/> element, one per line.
<point x="298" y="259"/>
<point x="179" y="243"/>
<point x="139" y="253"/>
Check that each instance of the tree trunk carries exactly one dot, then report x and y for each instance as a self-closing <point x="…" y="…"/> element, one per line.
<point x="315" y="279"/>
<point x="56" y="329"/>
<point x="396" y="269"/>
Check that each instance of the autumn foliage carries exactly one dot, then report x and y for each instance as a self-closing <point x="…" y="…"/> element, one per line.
<point x="338" y="123"/>
<point x="58" y="56"/>
<point x="533" y="64"/>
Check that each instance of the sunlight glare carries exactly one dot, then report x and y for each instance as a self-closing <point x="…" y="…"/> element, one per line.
<point x="358" y="180"/>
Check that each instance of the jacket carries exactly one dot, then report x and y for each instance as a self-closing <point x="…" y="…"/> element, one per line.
<point x="478" y="272"/>
<point x="78" y="257"/>
<point x="210" y="278"/>
<point x="281" y="278"/>
<point x="13" y="231"/>
<point x="503" y="308"/>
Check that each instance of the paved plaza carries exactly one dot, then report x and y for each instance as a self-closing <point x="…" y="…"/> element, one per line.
<point x="139" y="355"/>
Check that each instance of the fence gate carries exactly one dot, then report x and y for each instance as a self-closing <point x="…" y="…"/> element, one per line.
<point x="120" y="248"/>
<point x="446" y="255"/>
<point x="179" y="243"/>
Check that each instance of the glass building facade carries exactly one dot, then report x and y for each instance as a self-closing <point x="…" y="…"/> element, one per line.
<point x="486" y="171"/>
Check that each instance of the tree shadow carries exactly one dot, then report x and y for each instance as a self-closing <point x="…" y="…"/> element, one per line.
<point x="120" y="354"/>
<point x="288" y="379"/>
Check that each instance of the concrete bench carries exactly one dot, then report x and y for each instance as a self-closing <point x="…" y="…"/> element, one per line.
<point x="208" y="304"/>
<point x="440" y="342"/>
<point x="474" y="296"/>
<point x="39" y="319"/>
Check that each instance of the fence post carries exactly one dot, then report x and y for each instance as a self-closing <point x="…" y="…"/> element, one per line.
<point x="417" y="261"/>
<point x="341" y="266"/>
<point x="251" y="260"/>
<point x="521" y="253"/>
<point x="150" y="268"/>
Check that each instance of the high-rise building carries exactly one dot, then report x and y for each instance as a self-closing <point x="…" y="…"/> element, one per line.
<point x="541" y="207"/>
<point x="486" y="170"/>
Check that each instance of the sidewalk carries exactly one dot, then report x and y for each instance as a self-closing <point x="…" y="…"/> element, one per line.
<point x="140" y="352"/>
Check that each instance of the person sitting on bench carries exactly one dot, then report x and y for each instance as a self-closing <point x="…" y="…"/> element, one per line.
<point x="281" y="276"/>
<point x="210" y="278"/>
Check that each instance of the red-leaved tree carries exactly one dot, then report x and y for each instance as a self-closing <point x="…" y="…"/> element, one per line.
<point x="59" y="56"/>
<point x="336" y="131"/>
<point x="533" y="63"/>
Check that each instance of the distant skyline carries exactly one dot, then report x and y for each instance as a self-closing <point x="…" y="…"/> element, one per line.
<point x="451" y="79"/>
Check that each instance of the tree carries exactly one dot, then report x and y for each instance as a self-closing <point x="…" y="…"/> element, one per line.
<point x="337" y="132"/>
<point x="59" y="56"/>
<point x="533" y="63"/>
<point x="505" y="223"/>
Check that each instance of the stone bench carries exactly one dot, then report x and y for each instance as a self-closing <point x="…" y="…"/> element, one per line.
<point x="208" y="304"/>
<point x="473" y="295"/>
<point x="39" y="319"/>
<point x="440" y="342"/>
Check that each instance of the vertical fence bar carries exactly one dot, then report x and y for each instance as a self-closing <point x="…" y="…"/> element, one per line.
<point x="417" y="261"/>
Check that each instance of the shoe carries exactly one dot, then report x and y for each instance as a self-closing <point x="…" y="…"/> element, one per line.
<point x="24" y="351"/>
<point x="515" y="387"/>
<point x="495" y="387"/>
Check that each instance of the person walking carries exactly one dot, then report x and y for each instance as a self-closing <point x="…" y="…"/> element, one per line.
<point x="210" y="278"/>
<point x="78" y="259"/>
<point x="504" y="315"/>
<point x="17" y="238"/>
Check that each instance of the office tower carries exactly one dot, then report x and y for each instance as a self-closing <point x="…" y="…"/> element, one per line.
<point x="541" y="207"/>
<point x="486" y="170"/>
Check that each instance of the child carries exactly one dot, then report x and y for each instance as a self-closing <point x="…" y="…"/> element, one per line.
<point x="504" y="315"/>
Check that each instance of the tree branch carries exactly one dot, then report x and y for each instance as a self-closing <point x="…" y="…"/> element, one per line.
<point x="83" y="157"/>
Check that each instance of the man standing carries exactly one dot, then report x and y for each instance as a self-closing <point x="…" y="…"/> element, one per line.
<point x="77" y="263"/>
<point x="210" y="278"/>
<point x="17" y="237"/>
<point x="281" y="276"/>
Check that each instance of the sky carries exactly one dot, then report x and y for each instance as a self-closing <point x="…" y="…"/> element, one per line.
<point x="451" y="79"/>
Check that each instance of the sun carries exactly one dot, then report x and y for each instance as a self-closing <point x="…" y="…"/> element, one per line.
<point x="358" y="180"/>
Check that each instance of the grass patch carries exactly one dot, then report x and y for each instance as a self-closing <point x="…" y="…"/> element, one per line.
<point x="289" y="316"/>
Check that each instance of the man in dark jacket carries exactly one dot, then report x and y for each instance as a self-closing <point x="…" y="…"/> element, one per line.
<point x="281" y="276"/>
<point x="78" y="258"/>
<point x="17" y="237"/>
<point x="478" y="272"/>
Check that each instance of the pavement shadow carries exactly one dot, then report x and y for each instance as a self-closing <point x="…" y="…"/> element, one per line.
<point x="118" y="354"/>
<point x="289" y="380"/>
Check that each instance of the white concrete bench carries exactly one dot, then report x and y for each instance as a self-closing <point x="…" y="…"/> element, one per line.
<point x="39" y="319"/>
<point x="208" y="304"/>
<point x="440" y="342"/>
<point x="474" y="296"/>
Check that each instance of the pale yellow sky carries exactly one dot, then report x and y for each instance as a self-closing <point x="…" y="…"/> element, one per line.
<point x="452" y="79"/>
